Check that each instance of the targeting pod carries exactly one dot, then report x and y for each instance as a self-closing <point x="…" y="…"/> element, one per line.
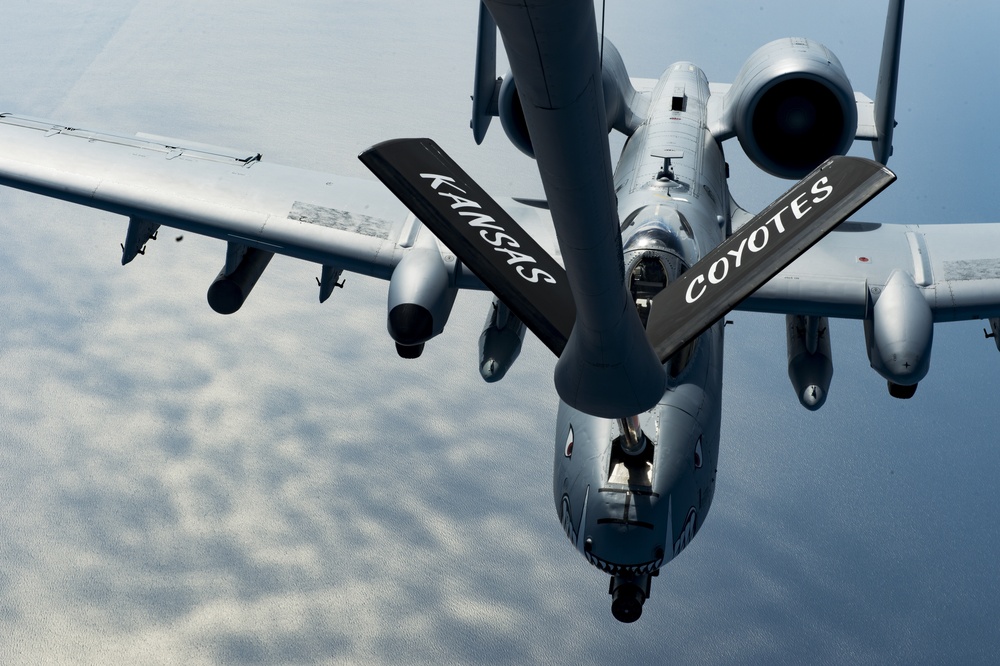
<point x="500" y="342"/>
<point x="899" y="335"/>
<point x="421" y="294"/>
<point x="244" y="266"/>
<point x="810" y="360"/>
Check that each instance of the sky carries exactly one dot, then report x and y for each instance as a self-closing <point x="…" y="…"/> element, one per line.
<point x="276" y="486"/>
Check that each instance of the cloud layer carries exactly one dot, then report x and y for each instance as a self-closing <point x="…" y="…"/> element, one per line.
<point x="276" y="486"/>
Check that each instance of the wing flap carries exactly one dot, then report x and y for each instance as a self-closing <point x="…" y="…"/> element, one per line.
<point x="957" y="266"/>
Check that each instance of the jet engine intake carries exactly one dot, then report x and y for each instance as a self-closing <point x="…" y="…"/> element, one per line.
<point x="230" y="289"/>
<point x="791" y="107"/>
<point x="810" y="360"/>
<point x="624" y="109"/>
<point x="899" y="334"/>
<point x="421" y="295"/>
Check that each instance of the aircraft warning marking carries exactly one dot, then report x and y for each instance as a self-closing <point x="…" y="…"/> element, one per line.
<point x="334" y="218"/>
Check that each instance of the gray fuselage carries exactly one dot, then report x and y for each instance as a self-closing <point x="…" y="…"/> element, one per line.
<point x="629" y="515"/>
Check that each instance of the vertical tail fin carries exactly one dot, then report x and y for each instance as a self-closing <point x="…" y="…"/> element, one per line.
<point x="486" y="88"/>
<point x="888" y="76"/>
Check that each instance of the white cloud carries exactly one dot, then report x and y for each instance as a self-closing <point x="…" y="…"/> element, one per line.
<point x="277" y="486"/>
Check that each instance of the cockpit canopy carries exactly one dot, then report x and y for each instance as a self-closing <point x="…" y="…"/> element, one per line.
<point x="658" y="250"/>
<point x="659" y="227"/>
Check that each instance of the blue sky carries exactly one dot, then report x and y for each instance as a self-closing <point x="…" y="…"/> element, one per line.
<point x="276" y="486"/>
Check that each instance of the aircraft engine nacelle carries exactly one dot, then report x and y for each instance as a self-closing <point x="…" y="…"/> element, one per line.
<point x="899" y="335"/>
<point x="618" y="93"/>
<point x="791" y="107"/>
<point x="512" y="116"/>
<point x="810" y="359"/>
<point x="421" y="295"/>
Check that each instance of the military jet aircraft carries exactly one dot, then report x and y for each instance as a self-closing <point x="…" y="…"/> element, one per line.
<point x="636" y="445"/>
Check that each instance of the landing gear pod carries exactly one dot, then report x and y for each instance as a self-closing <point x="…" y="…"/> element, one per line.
<point x="620" y="110"/>
<point x="995" y="325"/>
<point x="244" y="266"/>
<point x="140" y="232"/>
<point x="899" y="335"/>
<point x="810" y="361"/>
<point x="628" y="594"/>
<point x="420" y="297"/>
<point x="512" y="116"/>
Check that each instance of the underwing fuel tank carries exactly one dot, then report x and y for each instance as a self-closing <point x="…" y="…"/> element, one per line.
<point x="899" y="335"/>
<point x="810" y="361"/>
<point x="500" y="342"/>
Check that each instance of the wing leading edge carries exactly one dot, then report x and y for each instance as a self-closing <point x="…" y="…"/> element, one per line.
<point x="342" y="223"/>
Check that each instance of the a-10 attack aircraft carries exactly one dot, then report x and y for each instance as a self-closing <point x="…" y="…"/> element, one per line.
<point x="626" y="274"/>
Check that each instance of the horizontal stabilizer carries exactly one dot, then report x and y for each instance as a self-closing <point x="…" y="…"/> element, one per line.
<point x="760" y="249"/>
<point x="480" y="233"/>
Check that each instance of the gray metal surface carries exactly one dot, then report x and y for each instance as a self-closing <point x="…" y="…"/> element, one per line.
<point x="350" y="223"/>
<point x="888" y="80"/>
<point x="747" y="259"/>
<point x="607" y="368"/>
<point x="960" y="264"/>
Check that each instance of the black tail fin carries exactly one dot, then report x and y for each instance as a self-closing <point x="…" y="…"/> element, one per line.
<point x="760" y="249"/>
<point x="480" y="233"/>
